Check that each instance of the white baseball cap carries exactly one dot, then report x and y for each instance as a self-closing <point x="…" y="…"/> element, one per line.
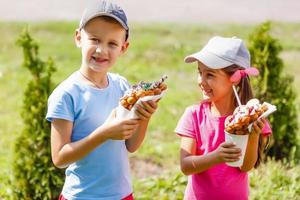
<point x="221" y="52"/>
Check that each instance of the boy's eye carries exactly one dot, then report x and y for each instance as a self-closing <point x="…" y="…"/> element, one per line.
<point x="94" y="39"/>
<point x="113" y="44"/>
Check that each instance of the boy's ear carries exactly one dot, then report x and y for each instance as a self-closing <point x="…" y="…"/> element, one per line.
<point x="124" y="47"/>
<point x="77" y="38"/>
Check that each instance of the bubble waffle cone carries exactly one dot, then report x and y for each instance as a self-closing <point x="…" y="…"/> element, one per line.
<point x="243" y="116"/>
<point x="142" y="89"/>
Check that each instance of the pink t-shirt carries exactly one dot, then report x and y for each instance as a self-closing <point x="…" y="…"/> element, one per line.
<point x="220" y="181"/>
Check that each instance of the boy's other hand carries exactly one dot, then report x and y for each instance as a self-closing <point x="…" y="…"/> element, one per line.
<point x="120" y="129"/>
<point x="145" y="109"/>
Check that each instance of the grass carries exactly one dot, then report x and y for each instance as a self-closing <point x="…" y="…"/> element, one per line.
<point x="155" y="50"/>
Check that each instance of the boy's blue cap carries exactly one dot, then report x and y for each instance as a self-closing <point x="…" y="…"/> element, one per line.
<point x="104" y="8"/>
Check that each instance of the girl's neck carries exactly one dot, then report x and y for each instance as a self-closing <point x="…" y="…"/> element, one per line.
<point x="223" y="108"/>
<point x="96" y="79"/>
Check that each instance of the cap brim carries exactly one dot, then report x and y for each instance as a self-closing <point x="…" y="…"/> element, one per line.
<point x="208" y="59"/>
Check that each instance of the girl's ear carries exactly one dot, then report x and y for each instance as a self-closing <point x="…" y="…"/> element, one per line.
<point x="77" y="38"/>
<point x="236" y="83"/>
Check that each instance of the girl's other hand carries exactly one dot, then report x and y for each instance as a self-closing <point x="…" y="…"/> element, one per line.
<point x="145" y="109"/>
<point x="227" y="152"/>
<point x="258" y="126"/>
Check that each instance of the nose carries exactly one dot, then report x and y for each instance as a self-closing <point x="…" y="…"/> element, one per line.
<point x="201" y="81"/>
<point x="98" y="49"/>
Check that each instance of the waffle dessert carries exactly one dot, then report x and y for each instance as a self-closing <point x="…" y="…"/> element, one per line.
<point x="142" y="89"/>
<point x="243" y="116"/>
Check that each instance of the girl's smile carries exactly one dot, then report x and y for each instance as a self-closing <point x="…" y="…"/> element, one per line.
<point x="215" y="84"/>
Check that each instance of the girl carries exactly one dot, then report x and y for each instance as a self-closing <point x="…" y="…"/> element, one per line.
<point x="203" y="151"/>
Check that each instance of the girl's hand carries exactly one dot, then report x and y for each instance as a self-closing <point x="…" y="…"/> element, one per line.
<point x="119" y="129"/>
<point x="145" y="109"/>
<point x="258" y="126"/>
<point x="227" y="152"/>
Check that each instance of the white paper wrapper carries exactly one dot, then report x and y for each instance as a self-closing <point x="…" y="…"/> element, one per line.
<point x="123" y="113"/>
<point x="271" y="109"/>
<point x="241" y="142"/>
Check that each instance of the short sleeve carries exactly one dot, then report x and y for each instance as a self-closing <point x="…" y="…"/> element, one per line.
<point x="121" y="83"/>
<point x="267" y="130"/>
<point x="60" y="106"/>
<point x="185" y="126"/>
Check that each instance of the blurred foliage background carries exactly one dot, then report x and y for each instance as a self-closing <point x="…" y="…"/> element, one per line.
<point x="154" y="50"/>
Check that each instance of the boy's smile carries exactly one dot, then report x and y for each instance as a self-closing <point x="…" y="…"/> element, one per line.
<point x="102" y="42"/>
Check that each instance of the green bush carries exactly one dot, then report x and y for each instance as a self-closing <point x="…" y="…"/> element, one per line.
<point x="275" y="181"/>
<point x="34" y="176"/>
<point x="275" y="87"/>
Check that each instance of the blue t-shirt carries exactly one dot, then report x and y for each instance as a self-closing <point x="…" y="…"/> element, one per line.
<point x="104" y="173"/>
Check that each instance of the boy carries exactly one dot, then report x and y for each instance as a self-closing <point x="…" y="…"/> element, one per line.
<point x="85" y="135"/>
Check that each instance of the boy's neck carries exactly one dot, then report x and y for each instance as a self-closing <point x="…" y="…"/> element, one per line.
<point x="97" y="79"/>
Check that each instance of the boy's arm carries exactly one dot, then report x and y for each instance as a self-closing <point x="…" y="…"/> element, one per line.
<point x="144" y="112"/>
<point x="64" y="152"/>
<point x="133" y="143"/>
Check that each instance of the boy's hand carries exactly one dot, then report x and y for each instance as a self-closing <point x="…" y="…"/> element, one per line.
<point x="119" y="129"/>
<point x="145" y="109"/>
<point x="227" y="152"/>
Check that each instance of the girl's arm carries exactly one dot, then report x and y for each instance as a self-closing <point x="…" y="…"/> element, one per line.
<point x="251" y="154"/>
<point x="64" y="152"/>
<point x="191" y="163"/>
<point x="144" y="112"/>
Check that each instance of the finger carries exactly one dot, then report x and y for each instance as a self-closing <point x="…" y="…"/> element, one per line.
<point x="263" y="120"/>
<point x="227" y="144"/>
<point x="232" y="155"/>
<point x="260" y="123"/>
<point x="150" y="106"/>
<point x="255" y="128"/>
<point x="131" y="122"/>
<point x="141" y="117"/>
<point x="128" y="134"/>
<point x="130" y="127"/>
<point x="231" y="159"/>
<point x="232" y="150"/>
<point x="142" y="111"/>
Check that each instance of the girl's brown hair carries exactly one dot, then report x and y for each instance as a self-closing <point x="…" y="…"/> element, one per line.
<point x="245" y="94"/>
